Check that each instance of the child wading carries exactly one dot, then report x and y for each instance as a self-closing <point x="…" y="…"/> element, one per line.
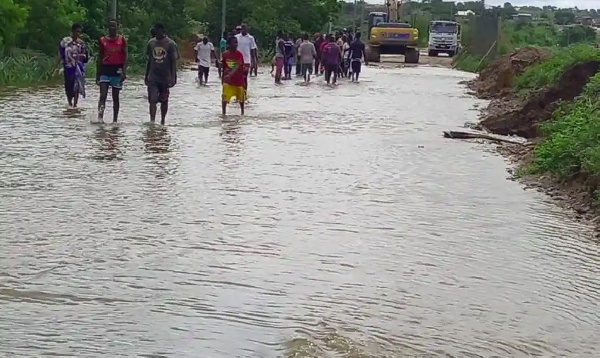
<point x="233" y="75"/>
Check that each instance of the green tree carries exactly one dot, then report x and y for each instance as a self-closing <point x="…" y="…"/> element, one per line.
<point x="564" y="17"/>
<point x="47" y="22"/>
<point x="575" y="34"/>
<point x="14" y="18"/>
<point x="266" y="17"/>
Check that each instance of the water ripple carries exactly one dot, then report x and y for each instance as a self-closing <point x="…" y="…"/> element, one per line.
<point x="326" y="222"/>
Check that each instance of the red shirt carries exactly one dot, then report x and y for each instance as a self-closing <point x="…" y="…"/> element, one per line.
<point x="113" y="50"/>
<point x="231" y="61"/>
<point x="323" y="44"/>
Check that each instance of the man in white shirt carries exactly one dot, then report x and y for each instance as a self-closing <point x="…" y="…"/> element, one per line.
<point x="204" y="50"/>
<point x="247" y="46"/>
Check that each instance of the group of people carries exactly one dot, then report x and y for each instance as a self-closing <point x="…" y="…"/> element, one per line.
<point x="334" y="56"/>
<point x="237" y="59"/>
<point x="111" y="68"/>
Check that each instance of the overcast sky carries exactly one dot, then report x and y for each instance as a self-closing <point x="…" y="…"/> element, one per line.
<point x="582" y="4"/>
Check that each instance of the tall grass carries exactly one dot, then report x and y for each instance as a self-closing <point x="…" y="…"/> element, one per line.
<point x="469" y="62"/>
<point x="550" y="71"/>
<point x="21" y="67"/>
<point x="572" y="144"/>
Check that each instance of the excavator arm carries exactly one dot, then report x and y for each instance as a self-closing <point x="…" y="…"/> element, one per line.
<point x="393" y="7"/>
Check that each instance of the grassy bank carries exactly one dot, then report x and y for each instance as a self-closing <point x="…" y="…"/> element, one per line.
<point x="469" y="62"/>
<point x="550" y="71"/>
<point x="571" y="145"/>
<point x="559" y="96"/>
<point x="26" y="68"/>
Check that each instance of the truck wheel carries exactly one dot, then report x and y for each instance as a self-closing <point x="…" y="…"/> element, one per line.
<point x="411" y="55"/>
<point x="373" y="54"/>
<point x="433" y="53"/>
<point x="451" y="53"/>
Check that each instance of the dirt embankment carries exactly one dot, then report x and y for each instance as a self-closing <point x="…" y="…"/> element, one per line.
<point x="511" y="114"/>
<point x="498" y="79"/>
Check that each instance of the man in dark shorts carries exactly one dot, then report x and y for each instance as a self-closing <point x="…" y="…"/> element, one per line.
<point x="161" y="72"/>
<point x="112" y="67"/>
<point x="204" y="52"/>
<point x="331" y="60"/>
<point x="357" y="51"/>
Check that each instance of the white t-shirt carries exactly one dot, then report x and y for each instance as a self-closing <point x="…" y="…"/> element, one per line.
<point x="245" y="45"/>
<point x="204" y="52"/>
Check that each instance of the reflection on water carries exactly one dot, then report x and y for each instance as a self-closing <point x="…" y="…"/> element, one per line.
<point x="156" y="139"/>
<point x="107" y="143"/>
<point x="231" y="135"/>
<point x="324" y="223"/>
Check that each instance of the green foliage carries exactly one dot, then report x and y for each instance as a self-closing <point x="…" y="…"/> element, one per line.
<point x="564" y="17"/>
<point x="520" y="34"/>
<point x="575" y="34"/>
<point x="48" y="21"/>
<point x="39" y="25"/>
<point x="13" y="18"/>
<point x="26" y="67"/>
<point x="550" y="71"/>
<point x="265" y="17"/>
<point x="469" y="63"/>
<point x="572" y="144"/>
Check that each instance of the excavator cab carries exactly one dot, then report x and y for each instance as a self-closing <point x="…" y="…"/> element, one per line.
<point x="376" y="18"/>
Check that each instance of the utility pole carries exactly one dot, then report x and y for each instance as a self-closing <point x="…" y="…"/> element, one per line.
<point x="354" y="18"/>
<point x="223" y="10"/>
<point x="482" y="7"/>
<point x="113" y="10"/>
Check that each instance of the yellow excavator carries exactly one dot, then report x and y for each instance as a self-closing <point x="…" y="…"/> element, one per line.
<point x="389" y="36"/>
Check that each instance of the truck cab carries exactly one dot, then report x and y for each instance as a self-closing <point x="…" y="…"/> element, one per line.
<point x="444" y="37"/>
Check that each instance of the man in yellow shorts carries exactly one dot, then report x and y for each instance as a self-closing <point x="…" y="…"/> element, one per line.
<point x="233" y="75"/>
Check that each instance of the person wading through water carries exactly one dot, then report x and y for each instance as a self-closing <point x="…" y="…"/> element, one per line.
<point x="73" y="54"/>
<point x="307" y="54"/>
<point x="233" y="75"/>
<point x="247" y="46"/>
<point x="161" y="72"/>
<point x="111" y="68"/>
<point x="222" y="48"/>
<point x="203" y="51"/>
<point x="331" y="60"/>
<point x="357" y="51"/>
<point x="288" y="57"/>
<point x="279" y="57"/>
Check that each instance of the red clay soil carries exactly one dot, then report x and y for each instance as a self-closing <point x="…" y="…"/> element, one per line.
<point x="511" y="115"/>
<point x="499" y="77"/>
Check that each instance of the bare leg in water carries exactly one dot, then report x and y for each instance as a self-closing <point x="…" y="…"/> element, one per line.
<point x="164" y="108"/>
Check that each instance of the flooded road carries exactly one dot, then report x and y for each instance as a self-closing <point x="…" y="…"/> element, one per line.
<point x="325" y="223"/>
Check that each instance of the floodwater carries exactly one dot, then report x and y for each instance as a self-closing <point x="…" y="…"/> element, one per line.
<point x="328" y="222"/>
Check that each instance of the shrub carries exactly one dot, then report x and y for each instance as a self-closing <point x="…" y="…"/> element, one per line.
<point x="550" y="71"/>
<point x="572" y="144"/>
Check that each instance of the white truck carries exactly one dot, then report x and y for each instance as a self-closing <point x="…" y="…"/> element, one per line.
<point x="444" y="37"/>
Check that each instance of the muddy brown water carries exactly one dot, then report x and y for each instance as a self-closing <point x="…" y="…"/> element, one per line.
<point x="326" y="223"/>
